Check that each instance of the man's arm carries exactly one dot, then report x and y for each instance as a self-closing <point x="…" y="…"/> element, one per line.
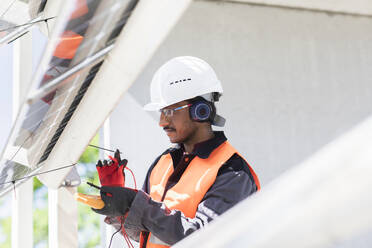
<point x="232" y="185"/>
<point x="133" y="231"/>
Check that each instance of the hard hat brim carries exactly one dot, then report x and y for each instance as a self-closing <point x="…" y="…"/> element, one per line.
<point x="152" y="106"/>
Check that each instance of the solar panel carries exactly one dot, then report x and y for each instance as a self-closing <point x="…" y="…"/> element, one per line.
<point x="82" y="30"/>
<point x="15" y="19"/>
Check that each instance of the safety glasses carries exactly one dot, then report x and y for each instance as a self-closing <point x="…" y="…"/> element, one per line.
<point x="170" y="112"/>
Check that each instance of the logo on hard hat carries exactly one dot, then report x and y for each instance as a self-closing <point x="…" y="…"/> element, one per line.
<point x="179" y="81"/>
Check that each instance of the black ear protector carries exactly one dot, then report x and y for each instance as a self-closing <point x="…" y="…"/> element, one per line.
<point x="202" y="111"/>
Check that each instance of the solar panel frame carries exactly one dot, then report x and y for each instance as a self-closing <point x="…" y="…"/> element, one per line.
<point x="41" y="136"/>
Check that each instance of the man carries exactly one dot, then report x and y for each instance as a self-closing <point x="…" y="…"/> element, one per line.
<point x="191" y="184"/>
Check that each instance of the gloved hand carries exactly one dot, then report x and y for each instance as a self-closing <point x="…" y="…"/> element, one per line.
<point x="112" y="173"/>
<point x="117" y="200"/>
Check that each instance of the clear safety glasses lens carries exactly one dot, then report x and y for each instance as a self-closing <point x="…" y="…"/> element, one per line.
<point x="170" y="112"/>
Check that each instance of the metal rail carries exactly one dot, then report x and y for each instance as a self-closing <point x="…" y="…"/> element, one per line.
<point x="54" y="83"/>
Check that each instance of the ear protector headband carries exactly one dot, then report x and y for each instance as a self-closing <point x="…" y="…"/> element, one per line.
<point x="202" y="111"/>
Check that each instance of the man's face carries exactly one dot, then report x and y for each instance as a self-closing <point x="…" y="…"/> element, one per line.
<point x="179" y="127"/>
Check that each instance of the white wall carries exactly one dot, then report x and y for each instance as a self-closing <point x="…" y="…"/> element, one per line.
<point x="138" y="137"/>
<point x="294" y="80"/>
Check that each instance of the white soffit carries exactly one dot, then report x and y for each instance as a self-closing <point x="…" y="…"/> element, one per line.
<point x="355" y="7"/>
<point x="15" y="12"/>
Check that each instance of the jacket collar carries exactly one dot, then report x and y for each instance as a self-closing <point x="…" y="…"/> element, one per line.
<point x="205" y="148"/>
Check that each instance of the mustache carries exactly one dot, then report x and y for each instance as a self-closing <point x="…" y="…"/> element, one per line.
<point x="169" y="128"/>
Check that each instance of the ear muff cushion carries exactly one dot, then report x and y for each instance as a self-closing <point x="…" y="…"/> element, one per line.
<point x="201" y="111"/>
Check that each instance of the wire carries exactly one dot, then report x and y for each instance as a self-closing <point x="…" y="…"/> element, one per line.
<point x="125" y="235"/>
<point x="127" y="240"/>
<point x="126" y="167"/>
<point x="47" y="26"/>
<point x="121" y="226"/>
<point x="14" y="190"/>
<point x="134" y="178"/>
<point x="40" y="173"/>
<point x="102" y="148"/>
<point x="10" y="5"/>
<point x="16" y="38"/>
<point x="28" y="23"/>
<point x="24" y="142"/>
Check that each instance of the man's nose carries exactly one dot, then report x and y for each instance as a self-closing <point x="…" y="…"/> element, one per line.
<point x="163" y="121"/>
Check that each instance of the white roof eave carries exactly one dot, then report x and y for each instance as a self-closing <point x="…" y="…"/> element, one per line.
<point x="355" y="7"/>
<point x="15" y="13"/>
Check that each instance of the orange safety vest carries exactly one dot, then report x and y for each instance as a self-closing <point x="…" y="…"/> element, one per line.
<point x="186" y="195"/>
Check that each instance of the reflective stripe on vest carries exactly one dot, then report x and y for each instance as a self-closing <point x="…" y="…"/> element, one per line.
<point x="194" y="183"/>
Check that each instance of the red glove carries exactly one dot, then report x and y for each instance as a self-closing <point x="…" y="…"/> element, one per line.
<point x="112" y="173"/>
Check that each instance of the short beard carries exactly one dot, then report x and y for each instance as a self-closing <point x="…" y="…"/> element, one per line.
<point x="189" y="137"/>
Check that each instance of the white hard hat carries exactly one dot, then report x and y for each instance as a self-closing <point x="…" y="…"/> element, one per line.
<point x="182" y="78"/>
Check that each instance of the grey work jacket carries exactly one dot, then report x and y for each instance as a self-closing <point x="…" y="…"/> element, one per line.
<point x="234" y="183"/>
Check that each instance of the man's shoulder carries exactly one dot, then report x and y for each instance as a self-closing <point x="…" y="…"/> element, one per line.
<point x="235" y="163"/>
<point x="169" y="150"/>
